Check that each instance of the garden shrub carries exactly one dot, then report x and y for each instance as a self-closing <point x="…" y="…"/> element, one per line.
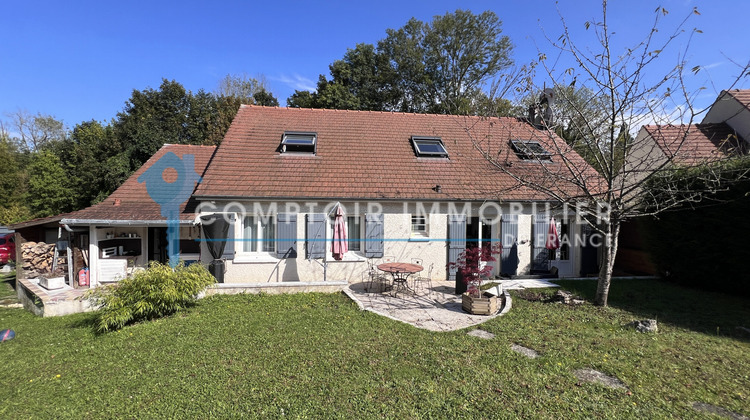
<point x="152" y="293"/>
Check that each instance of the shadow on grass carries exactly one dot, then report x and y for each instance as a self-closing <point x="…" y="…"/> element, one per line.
<point x="697" y="310"/>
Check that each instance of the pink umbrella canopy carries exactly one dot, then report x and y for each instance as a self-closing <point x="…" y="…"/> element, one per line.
<point x="340" y="243"/>
<point x="553" y="239"/>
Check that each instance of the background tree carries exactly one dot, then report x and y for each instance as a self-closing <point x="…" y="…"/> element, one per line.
<point x="249" y="90"/>
<point x="49" y="190"/>
<point x="32" y="132"/>
<point x="630" y="90"/>
<point x="12" y="182"/>
<point x="436" y="67"/>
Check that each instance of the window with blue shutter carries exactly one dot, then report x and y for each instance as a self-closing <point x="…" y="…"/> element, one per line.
<point x="456" y="241"/>
<point x="315" y="235"/>
<point x="286" y="235"/>
<point x="374" y="233"/>
<point x="229" y="247"/>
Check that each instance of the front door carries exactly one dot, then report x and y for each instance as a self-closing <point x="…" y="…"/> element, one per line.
<point x="562" y="258"/>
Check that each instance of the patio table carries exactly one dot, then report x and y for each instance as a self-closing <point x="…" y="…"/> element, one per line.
<point x="400" y="272"/>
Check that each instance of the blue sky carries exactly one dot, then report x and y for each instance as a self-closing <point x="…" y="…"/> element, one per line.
<point x="80" y="60"/>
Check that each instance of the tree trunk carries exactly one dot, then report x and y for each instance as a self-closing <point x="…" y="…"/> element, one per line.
<point x="608" y="263"/>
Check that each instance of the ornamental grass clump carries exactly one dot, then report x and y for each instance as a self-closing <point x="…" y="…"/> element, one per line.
<point x="152" y="293"/>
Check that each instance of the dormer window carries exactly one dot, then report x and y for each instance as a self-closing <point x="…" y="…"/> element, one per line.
<point x="429" y="147"/>
<point x="299" y="142"/>
<point x="530" y="150"/>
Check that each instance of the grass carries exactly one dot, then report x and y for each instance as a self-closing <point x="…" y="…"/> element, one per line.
<point x="7" y="289"/>
<point x="316" y="355"/>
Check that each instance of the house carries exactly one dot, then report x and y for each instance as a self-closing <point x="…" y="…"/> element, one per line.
<point x="413" y="186"/>
<point x="724" y="132"/>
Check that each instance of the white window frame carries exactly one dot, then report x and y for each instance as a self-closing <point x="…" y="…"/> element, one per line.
<point x="351" y="255"/>
<point x="423" y="233"/>
<point x="263" y="248"/>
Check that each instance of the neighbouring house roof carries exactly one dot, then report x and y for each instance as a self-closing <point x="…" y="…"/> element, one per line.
<point x="370" y="155"/>
<point x="740" y="95"/>
<point x="132" y="203"/>
<point x="696" y="143"/>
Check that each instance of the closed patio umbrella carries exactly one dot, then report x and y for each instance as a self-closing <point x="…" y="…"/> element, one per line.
<point x="340" y="243"/>
<point x="553" y="239"/>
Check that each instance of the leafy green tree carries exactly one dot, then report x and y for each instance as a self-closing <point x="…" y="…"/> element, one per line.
<point x="436" y="67"/>
<point x="265" y="98"/>
<point x="49" y="190"/>
<point x="12" y="183"/>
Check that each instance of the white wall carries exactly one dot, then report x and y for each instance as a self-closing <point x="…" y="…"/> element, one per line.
<point x="727" y="109"/>
<point x="397" y="229"/>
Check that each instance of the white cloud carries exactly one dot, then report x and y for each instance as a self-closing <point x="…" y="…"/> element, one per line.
<point x="296" y="82"/>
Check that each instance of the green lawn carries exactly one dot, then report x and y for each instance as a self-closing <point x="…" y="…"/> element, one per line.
<point x="7" y="290"/>
<point x="317" y="356"/>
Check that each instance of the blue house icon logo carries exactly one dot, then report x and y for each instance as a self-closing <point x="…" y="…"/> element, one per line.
<point x="170" y="195"/>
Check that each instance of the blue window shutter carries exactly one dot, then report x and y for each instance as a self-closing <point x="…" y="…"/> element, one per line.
<point x="509" y="235"/>
<point x="286" y="235"/>
<point x="316" y="235"/>
<point x="374" y="232"/>
<point x="229" y="247"/>
<point x="540" y="254"/>
<point x="456" y="241"/>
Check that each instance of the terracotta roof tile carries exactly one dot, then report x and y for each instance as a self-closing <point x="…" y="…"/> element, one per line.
<point x="695" y="143"/>
<point x="369" y="155"/>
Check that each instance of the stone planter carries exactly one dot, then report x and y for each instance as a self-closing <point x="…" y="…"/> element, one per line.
<point x="485" y="305"/>
<point x="52" y="283"/>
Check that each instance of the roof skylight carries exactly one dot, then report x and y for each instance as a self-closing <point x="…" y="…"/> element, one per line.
<point x="429" y="146"/>
<point x="530" y="150"/>
<point x="299" y="142"/>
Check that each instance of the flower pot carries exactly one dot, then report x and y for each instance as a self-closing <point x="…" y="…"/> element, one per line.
<point x="484" y="305"/>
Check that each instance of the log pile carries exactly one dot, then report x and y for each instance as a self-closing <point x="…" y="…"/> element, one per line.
<point x="37" y="258"/>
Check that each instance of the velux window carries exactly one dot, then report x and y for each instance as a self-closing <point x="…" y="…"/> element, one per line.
<point x="530" y="150"/>
<point x="299" y="142"/>
<point x="429" y="146"/>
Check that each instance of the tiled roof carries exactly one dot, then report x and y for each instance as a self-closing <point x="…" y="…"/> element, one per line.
<point x="132" y="202"/>
<point x="369" y="155"/>
<point x="695" y="143"/>
<point x="741" y="95"/>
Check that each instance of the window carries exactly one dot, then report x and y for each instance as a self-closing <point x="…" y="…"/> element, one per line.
<point x="429" y="146"/>
<point x="530" y="150"/>
<point x="353" y="233"/>
<point x="258" y="234"/>
<point x="418" y="226"/>
<point x="299" y="142"/>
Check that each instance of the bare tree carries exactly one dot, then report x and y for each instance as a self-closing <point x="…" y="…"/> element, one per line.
<point x="32" y="132"/>
<point x="631" y="89"/>
<point x="242" y="86"/>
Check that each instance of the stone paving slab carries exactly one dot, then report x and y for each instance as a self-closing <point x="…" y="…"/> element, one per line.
<point x="530" y="353"/>
<point x="594" y="376"/>
<point x="439" y="309"/>
<point x="521" y="284"/>
<point x="481" y="334"/>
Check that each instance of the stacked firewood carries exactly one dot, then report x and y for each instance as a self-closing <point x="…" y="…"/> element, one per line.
<point x="37" y="258"/>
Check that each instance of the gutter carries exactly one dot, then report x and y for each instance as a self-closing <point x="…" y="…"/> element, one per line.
<point x="121" y="222"/>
